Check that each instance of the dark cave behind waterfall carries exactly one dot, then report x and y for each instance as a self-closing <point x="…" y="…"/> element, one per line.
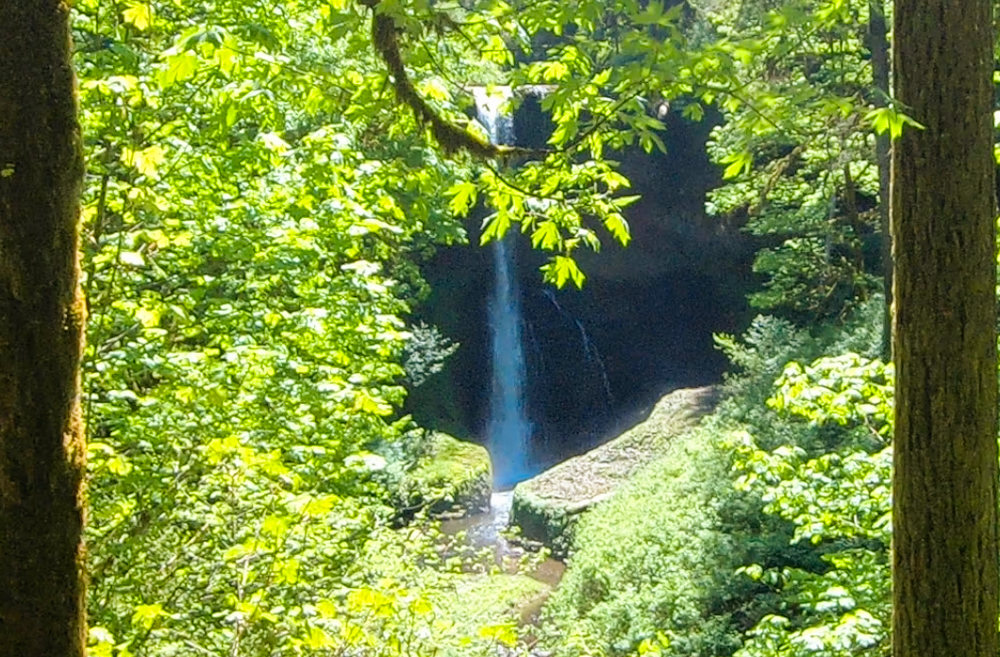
<point x="597" y="359"/>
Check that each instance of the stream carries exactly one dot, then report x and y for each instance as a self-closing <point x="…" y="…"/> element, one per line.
<point x="486" y="530"/>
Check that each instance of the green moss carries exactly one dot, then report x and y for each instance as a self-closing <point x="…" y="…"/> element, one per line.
<point x="451" y="475"/>
<point x="539" y="519"/>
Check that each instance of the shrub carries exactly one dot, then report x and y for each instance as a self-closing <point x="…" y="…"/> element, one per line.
<point x="759" y="357"/>
<point x="838" y="500"/>
<point x="425" y="353"/>
<point x="655" y="557"/>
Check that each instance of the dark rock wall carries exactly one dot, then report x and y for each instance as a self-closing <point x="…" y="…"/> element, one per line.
<point x="598" y="358"/>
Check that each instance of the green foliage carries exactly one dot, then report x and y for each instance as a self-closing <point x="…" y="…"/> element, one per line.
<point x="669" y="553"/>
<point x="249" y="236"/>
<point x="840" y="500"/>
<point x="425" y="353"/>
<point x="759" y="357"/>
<point x="889" y="119"/>
<point x="799" y="156"/>
<point x="652" y="561"/>
<point x="257" y="197"/>
<point x="845" y="390"/>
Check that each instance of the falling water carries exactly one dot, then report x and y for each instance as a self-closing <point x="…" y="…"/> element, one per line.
<point x="508" y="427"/>
<point x="508" y="423"/>
<point x="590" y="351"/>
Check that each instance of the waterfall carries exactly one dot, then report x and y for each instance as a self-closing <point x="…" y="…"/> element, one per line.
<point x="590" y="352"/>
<point x="508" y="429"/>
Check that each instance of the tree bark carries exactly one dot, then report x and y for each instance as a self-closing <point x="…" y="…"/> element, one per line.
<point x="945" y="580"/>
<point x="41" y="327"/>
<point x="879" y="46"/>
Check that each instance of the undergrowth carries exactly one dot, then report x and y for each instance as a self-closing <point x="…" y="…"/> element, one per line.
<point x="654" y="556"/>
<point x="656" y="568"/>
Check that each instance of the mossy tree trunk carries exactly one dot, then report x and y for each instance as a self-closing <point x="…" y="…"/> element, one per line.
<point x="945" y="591"/>
<point x="878" y="44"/>
<point x="41" y="323"/>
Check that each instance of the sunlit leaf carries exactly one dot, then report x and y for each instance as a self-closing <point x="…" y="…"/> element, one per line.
<point x="132" y="258"/>
<point x="463" y="198"/>
<point x="139" y="14"/>
<point x="562" y="269"/>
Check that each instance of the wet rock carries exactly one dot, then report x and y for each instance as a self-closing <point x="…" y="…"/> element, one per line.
<point x="546" y="507"/>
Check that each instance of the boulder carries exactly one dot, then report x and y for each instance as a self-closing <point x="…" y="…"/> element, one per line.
<point x="546" y="507"/>
<point x="451" y="477"/>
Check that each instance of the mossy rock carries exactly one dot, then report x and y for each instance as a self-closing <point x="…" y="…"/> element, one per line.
<point x="545" y="520"/>
<point x="451" y="477"/>
<point x="546" y="507"/>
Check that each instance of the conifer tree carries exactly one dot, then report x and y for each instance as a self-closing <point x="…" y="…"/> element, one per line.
<point x="945" y="597"/>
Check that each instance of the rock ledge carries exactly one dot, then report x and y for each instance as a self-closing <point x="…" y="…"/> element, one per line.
<point x="546" y="506"/>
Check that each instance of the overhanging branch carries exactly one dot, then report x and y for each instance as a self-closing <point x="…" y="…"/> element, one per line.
<point x="452" y="138"/>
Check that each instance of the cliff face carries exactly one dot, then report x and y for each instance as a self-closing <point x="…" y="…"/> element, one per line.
<point x="599" y="358"/>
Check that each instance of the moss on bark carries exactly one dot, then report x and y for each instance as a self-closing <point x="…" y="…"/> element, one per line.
<point x="41" y="326"/>
<point x="451" y="138"/>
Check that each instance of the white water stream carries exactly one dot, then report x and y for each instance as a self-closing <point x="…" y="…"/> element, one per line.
<point x="508" y="428"/>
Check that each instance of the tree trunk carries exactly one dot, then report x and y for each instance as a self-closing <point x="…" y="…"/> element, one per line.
<point x="945" y="590"/>
<point x="879" y="46"/>
<point x="41" y="328"/>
